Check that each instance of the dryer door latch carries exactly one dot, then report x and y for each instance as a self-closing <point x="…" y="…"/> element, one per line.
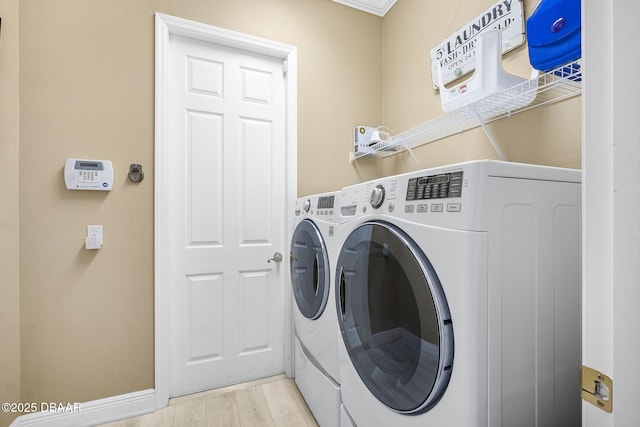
<point x="597" y="388"/>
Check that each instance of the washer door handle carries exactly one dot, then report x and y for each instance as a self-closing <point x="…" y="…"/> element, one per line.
<point x="316" y="274"/>
<point x="342" y="295"/>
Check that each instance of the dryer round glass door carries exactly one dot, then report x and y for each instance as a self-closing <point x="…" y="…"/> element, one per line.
<point x="309" y="269"/>
<point x="394" y="317"/>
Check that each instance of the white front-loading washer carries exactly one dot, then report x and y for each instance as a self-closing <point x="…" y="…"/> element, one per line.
<point x="313" y="251"/>
<point x="458" y="297"/>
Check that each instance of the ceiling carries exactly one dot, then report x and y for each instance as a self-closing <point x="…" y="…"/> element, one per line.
<point x="376" y="7"/>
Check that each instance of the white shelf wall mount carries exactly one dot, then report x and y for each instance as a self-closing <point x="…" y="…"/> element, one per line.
<point x="546" y="88"/>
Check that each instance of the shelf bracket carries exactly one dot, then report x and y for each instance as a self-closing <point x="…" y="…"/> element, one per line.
<point x="489" y="135"/>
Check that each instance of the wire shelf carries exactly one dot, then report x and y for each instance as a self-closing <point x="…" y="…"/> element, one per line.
<point x="556" y="85"/>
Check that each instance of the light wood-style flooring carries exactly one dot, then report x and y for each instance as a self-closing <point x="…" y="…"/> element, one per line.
<point x="274" y="401"/>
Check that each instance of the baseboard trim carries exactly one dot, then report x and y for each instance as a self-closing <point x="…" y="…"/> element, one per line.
<point x="94" y="412"/>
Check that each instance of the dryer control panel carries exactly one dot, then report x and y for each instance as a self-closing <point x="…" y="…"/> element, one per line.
<point x="435" y="186"/>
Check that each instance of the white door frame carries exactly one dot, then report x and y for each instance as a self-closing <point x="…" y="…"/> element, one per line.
<point x="611" y="207"/>
<point x="166" y="26"/>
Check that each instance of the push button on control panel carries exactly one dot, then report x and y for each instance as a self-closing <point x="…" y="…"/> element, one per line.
<point x="454" y="207"/>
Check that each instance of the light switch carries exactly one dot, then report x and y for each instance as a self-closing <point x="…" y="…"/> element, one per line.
<point x="94" y="237"/>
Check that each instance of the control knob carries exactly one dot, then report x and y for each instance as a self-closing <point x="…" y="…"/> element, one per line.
<point x="377" y="196"/>
<point x="307" y="205"/>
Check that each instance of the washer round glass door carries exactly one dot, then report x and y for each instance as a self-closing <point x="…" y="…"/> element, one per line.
<point x="309" y="269"/>
<point x="394" y="317"/>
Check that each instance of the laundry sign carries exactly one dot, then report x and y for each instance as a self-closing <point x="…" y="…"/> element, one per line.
<point x="456" y="55"/>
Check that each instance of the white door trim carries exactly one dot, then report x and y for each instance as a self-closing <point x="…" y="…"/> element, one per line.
<point x="167" y="26"/>
<point x="611" y="208"/>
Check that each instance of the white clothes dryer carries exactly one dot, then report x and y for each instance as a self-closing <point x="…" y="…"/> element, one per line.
<point x="312" y="252"/>
<point x="458" y="297"/>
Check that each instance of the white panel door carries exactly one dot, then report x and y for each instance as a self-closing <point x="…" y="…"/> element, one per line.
<point x="227" y="166"/>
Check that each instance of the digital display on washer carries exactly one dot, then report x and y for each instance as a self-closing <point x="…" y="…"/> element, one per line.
<point x="435" y="186"/>
<point x="325" y="202"/>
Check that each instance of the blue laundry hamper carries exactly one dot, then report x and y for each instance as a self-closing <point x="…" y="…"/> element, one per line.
<point x="553" y="34"/>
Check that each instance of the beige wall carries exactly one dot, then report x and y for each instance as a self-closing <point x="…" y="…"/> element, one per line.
<point x="9" y="238"/>
<point x="549" y="135"/>
<point x="339" y="73"/>
<point x="86" y="90"/>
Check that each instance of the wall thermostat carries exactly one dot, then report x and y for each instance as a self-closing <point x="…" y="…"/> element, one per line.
<point x="88" y="174"/>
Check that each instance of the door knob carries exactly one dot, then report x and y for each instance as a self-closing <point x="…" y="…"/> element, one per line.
<point x="277" y="257"/>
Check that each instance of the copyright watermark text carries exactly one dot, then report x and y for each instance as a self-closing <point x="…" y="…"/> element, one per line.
<point x="29" y="407"/>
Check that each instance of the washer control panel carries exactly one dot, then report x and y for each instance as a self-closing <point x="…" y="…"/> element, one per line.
<point x="326" y="202"/>
<point x="439" y="186"/>
<point x="325" y="205"/>
<point x="320" y="206"/>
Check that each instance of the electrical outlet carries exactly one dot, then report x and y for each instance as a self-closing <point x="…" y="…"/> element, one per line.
<point x="94" y="231"/>
<point x="94" y="237"/>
